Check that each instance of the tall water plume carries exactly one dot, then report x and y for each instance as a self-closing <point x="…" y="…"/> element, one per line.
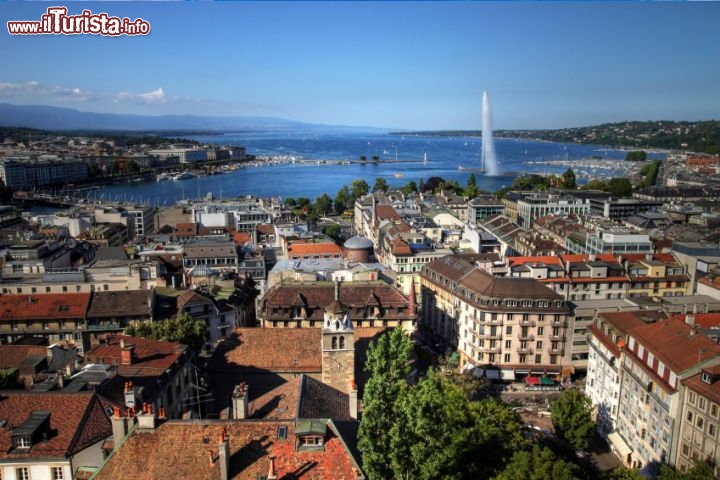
<point x="489" y="160"/>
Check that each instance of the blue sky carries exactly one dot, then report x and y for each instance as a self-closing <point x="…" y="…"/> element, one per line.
<point x="415" y="65"/>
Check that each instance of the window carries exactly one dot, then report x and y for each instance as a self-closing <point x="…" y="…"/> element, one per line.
<point x="23" y="442"/>
<point x="507" y="358"/>
<point x="712" y="429"/>
<point x="57" y="473"/>
<point x="334" y="343"/>
<point x="541" y="330"/>
<point x="22" y="473"/>
<point x="282" y="432"/>
<point x="342" y="343"/>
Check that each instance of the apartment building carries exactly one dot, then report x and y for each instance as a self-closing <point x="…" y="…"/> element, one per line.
<point x="540" y="204"/>
<point x="657" y="358"/>
<point x="658" y="275"/>
<point x="507" y="327"/>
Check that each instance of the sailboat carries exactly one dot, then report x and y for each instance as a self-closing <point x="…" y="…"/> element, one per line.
<point x="425" y="158"/>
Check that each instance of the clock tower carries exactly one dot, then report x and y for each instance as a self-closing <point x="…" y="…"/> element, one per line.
<point x="338" y="345"/>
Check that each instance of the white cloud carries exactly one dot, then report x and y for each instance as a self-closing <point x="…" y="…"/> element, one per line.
<point x="76" y="94"/>
<point x="156" y="96"/>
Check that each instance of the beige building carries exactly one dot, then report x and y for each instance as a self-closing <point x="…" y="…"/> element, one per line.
<point x="508" y="327"/>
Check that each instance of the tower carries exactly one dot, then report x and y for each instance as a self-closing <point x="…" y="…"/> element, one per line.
<point x="338" y="345"/>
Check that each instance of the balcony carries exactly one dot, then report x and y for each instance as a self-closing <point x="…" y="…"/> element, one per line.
<point x="104" y="327"/>
<point x="496" y="321"/>
<point x="525" y="351"/>
<point x="527" y="337"/>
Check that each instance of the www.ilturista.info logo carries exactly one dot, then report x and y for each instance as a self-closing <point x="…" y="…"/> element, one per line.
<point x="57" y="22"/>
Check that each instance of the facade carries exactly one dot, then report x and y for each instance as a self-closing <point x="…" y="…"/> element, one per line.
<point x="607" y="334"/>
<point x="51" y="436"/>
<point x="618" y="241"/>
<point x="113" y="311"/>
<point x="510" y="327"/>
<point x="537" y="205"/>
<point x="371" y="304"/>
<point x="700" y="420"/>
<point x="219" y="255"/>
<point x="219" y="317"/>
<point x="659" y="275"/>
<point x="616" y="208"/>
<point x="483" y="206"/>
<point x="31" y="174"/>
<point x="53" y="317"/>
<point x="656" y="360"/>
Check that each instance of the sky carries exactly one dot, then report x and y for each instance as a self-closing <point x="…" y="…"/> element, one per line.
<point x="409" y="65"/>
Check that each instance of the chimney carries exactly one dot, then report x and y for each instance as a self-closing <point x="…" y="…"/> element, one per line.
<point x="127" y="353"/>
<point x="240" y="408"/>
<point x="272" y="475"/>
<point x="224" y="455"/>
<point x="690" y="319"/>
<point x="147" y="419"/>
<point x="353" y="397"/>
<point x="119" y="426"/>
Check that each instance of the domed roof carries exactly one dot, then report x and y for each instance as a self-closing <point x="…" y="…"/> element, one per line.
<point x="358" y="243"/>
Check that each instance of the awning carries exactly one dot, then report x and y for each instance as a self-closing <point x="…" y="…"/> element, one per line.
<point x="508" y="374"/>
<point x="479" y="372"/>
<point x="532" y="380"/>
<point x="546" y="381"/>
<point x="492" y="374"/>
<point x="521" y="371"/>
<point x="468" y="366"/>
<point x="619" y="445"/>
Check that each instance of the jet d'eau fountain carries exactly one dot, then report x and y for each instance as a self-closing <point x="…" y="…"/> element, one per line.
<point x="488" y="158"/>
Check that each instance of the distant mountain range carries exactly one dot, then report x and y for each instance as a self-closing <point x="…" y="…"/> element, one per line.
<point x="56" y="118"/>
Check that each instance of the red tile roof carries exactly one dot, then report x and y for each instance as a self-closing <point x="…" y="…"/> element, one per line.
<point x="185" y="229"/>
<point x="512" y="261"/>
<point x="77" y="421"/>
<point x="676" y="343"/>
<point x="241" y="238"/>
<point x="272" y="349"/>
<point x="702" y="320"/>
<point x="48" y="306"/>
<point x="314" y="249"/>
<point x="182" y="450"/>
<point x="12" y="355"/>
<point x="151" y="357"/>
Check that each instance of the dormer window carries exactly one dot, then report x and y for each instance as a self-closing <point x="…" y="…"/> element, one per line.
<point x="33" y="430"/>
<point x="706" y="378"/>
<point x="310" y="434"/>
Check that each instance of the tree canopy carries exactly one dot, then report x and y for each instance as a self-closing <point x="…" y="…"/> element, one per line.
<point x="540" y="463"/>
<point x="381" y="185"/>
<point x="699" y="471"/>
<point x="388" y="365"/>
<point x="182" y="329"/>
<point x="572" y="419"/>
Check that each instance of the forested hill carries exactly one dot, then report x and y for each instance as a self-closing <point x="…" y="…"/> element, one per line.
<point x="702" y="136"/>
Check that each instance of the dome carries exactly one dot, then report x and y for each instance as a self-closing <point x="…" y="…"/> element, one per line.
<point x="358" y="243"/>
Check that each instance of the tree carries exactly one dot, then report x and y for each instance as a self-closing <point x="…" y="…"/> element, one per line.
<point x="568" y="179"/>
<point x="432" y="184"/>
<point x="636" y="156"/>
<point x="290" y="202"/>
<point x="699" y="471"/>
<point x="540" y="463"/>
<point x="624" y="473"/>
<point x="431" y="434"/>
<point x="572" y="419"/>
<point x="323" y="205"/>
<point x="359" y="188"/>
<point x="619" y="187"/>
<point x="333" y="231"/>
<point x="182" y="329"/>
<point x="343" y="199"/>
<point x="471" y="191"/>
<point x="380" y="185"/>
<point x="409" y="188"/>
<point x="387" y="364"/>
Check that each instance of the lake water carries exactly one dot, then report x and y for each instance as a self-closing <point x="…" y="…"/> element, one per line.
<point x="446" y="156"/>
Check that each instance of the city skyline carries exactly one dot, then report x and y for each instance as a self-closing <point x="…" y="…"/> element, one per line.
<point x="410" y="65"/>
